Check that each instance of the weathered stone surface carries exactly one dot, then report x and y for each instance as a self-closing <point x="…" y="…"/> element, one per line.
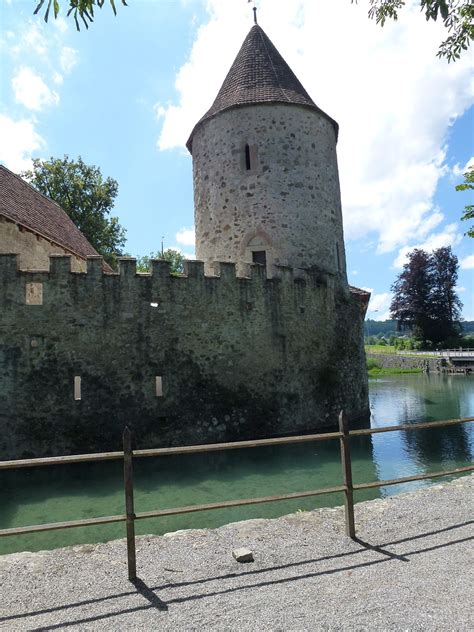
<point x="34" y="250"/>
<point x="394" y="361"/>
<point x="288" y="203"/>
<point x="239" y="358"/>
<point x="243" y="555"/>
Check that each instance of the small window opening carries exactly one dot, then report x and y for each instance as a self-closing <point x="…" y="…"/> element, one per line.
<point x="338" y="257"/>
<point x="158" y="386"/>
<point x="77" y="387"/>
<point x="259" y="256"/>
<point x="248" y="164"/>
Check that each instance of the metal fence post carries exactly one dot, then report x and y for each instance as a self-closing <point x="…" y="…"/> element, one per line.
<point x="129" y="509"/>
<point x="347" y="475"/>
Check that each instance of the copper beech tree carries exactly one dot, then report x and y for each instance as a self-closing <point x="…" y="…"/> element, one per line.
<point x="424" y="296"/>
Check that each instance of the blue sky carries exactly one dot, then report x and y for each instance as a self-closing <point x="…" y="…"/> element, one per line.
<point x="126" y="93"/>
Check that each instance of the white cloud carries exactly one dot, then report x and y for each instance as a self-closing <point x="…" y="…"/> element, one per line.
<point x="186" y="237"/>
<point x="449" y="236"/>
<point x="187" y="255"/>
<point x="354" y="272"/>
<point x="61" y="24"/>
<point x="379" y="305"/>
<point x="379" y="84"/>
<point x="460" y="288"/>
<point x="68" y="58"/>
<point x="459" y="171"/>
<point x="34" y="40"/>
<point x="33" y="47"/>
<point x="467" y="263"/>
<point x="31" y="91"/>
<point x="160" y="110"/>
<point x="35" y="57"/>
<point x="19" y="141"/>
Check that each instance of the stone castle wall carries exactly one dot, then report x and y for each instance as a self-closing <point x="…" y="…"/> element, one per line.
<point x="288" y="200"/>
<point x="34" y="250"/>
<point x="185" y="359"/>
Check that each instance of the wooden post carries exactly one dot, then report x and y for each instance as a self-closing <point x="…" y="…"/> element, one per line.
<point x="347" y="475"/>
<point x="129" y="509"/>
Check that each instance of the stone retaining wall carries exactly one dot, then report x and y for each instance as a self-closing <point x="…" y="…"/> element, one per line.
<point x="393" y="361"/>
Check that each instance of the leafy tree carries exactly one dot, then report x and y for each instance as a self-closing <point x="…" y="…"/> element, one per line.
<point x="445" y="304"/>
<point x="86" y="197"/>
<point x="174" y="257"/>
<point x="468" y="185"/>
<point x="83" y="9"/>
<point x="424" y="298"/>
<point x="411" y="302"/>
<point x="457" y="17"/>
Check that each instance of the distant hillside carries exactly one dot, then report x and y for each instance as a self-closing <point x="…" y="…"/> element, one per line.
<point x="389" y="328"/>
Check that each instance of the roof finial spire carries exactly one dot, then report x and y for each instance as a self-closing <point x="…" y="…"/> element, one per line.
<point x="255" y="14"/>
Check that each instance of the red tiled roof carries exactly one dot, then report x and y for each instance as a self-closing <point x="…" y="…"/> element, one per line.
<point x="357" y="290"/>
<point x="24" y="205"/>
<point x="259" y="74"/>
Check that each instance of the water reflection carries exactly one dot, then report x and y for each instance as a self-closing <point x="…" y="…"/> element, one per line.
<point x="415" y="398"/>
<point x="441" y="447"/>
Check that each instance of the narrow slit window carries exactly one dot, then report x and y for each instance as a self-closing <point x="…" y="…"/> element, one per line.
<point x="77" y="388"/>
<point x="159" y="386"/>
<point x="248" y="162"/>
<point x="338" y="257"/>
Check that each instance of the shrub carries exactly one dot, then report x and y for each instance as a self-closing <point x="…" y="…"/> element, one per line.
<point x="372" y="364"/>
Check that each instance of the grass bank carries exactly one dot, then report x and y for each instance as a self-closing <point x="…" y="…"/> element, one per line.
<point x="390" y="350"/>
<point x="375" y="370"/>
<point x="380" y="349"/>
<point x="378" y="371"/>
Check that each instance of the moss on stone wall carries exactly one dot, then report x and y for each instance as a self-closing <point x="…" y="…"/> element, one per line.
<point x="239" y="357"/>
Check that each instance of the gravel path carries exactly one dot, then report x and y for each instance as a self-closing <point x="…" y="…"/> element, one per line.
<point x="410" y="570"/>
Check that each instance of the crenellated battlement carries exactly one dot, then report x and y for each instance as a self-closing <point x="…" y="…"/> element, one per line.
<point x="224" y="272"/>
<point x="193" y="269"/>
<point x="295" y="288"/>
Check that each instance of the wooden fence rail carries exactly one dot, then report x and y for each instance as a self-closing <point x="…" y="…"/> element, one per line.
<point x="128" y="455"/>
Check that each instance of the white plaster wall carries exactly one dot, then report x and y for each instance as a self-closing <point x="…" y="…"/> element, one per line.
<point x="290" y="199"/>
<point x="34" y="251"/>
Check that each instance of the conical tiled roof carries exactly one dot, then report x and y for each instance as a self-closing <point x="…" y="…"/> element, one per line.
<point x="259" y="74"/>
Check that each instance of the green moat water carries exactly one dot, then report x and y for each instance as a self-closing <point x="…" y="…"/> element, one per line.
<point x="61" y="493"/>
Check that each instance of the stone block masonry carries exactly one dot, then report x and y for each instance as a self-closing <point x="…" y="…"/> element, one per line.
<point x="394" y="361"/>
<point x="186" y="359"/>
<point x="289" y="201"/>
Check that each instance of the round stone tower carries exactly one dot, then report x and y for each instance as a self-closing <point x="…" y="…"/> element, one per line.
<point x="266" y="184"/>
